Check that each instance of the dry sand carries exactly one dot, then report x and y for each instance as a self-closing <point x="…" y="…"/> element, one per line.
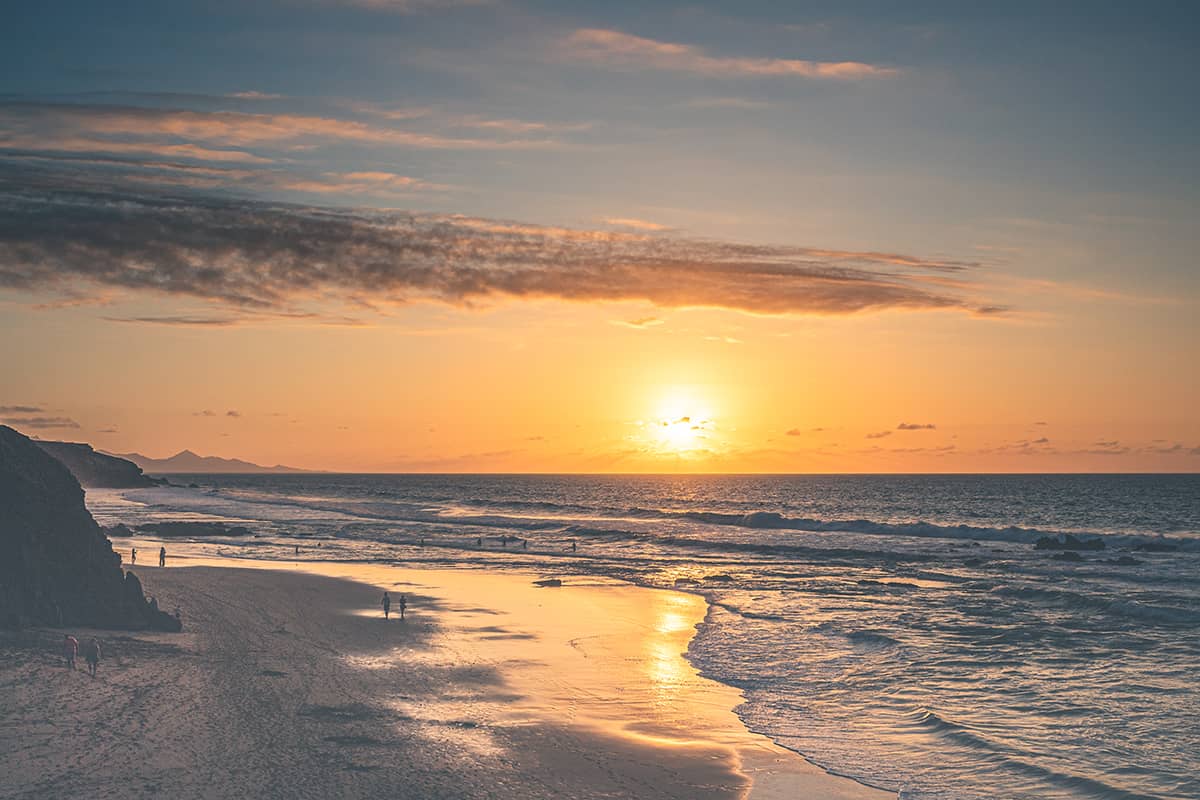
<point x="289" y="684"/>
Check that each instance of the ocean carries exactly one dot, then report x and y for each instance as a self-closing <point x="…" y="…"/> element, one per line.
<point x="900" y="630"/>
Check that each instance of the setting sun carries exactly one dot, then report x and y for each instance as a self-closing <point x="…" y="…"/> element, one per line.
<point x="681" y="424"/>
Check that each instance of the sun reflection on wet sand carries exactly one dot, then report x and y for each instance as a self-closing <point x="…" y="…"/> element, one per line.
<point x="601" y="655"/>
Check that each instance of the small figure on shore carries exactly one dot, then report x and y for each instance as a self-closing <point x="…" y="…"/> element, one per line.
<point x="479" y="542"/>
<point x="162" y="556"/>
<point x="133" y="555"/>
<point x="504" y="541"/>
<point x="403" y="605"/>
<point x="91" y="654"/>
<point x="524" y="544"/>
<point x="573" y="546"/>
<point x="387" y="604"/>
<point x="70" y="649"/>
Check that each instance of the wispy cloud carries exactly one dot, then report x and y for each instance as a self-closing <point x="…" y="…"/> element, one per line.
<point x="914" y="426"/>
<point x="879" y="435"/>
<point x="636" y="224"/>
<point x="39" y="423"/>
<point x="641" y="323"/>
<point x="258" y="257"/>
<point x="20" y="410"/>
<point x="622" y="50"/>
<point x="113" y="128"/>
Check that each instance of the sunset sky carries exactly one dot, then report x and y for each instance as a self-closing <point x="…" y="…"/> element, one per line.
<point x="440" y="235"/>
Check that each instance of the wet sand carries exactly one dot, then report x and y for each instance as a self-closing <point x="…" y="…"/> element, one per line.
<point x="288" y="683"/>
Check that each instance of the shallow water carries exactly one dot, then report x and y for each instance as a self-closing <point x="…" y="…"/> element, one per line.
<point x="898" y="629"/>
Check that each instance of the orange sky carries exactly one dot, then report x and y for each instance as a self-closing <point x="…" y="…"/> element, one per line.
<point x="446" y="236"/>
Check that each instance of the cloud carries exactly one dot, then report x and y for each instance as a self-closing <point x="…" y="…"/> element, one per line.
<point x="114" y="128"/>
<point x="269" y="258"/>
<point x="112" y="429"/>
<point x="879" y="435"/>
<point x="232" y="413"/>
<point x="182" y="320"/>
<point x="625" y="51"/>
<point x="253" y="95"/>
<point x="641" y="323"/>
<point x="358" y="183"/>
<point x="795" y="432"/>
<point x="913" y="426"/>
<point x="636" y="224"/>
<point x="205" y="413"/>
<point x="42" y="422"/>
<point x="1042" y="440"/>
<point x="21" y="410"/>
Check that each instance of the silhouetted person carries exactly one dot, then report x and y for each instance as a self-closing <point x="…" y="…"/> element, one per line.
<point x="91" y="654"/>
<point x="387" y="604"/>
<point x="133" y="555"/>
<point x="479" y="542"/>
<point x="70" y="649"/>
<point x="162" y="556"/>
<point x="573" y="546"/>
<point x="524" y="544"/>
<point x="297" y="549"/>
<point x="403" y="605"/>
<point x="504" y="541"/>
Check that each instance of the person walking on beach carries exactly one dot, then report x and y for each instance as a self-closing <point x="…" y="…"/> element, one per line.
<point x="133" y="555"/>
<point x="162" y="556"/>
<point x="387" y="604"/>
<point x="403" y="605"/>
<point x="70" y="649"/>
<point x="91" y="654"/>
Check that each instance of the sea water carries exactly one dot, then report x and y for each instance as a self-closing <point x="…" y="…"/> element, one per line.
<point x="900" y="630"/>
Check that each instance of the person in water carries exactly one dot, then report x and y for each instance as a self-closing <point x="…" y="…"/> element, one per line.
<point x="91" y="654"/>
<point x="162" y="556"/>
<point x="387" y="604"/>
<point x="403" y="605"/>
<point x="70" y="649"/>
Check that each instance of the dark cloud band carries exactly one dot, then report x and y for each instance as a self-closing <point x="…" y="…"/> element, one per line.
<point x="264" y="257"/>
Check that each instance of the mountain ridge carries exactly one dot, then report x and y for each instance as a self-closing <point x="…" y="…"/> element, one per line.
<point x="188" y="461"/>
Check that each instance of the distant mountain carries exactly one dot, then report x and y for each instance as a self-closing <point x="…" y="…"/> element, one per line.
<point x="96" y="470"/>
<point x="187" y="461"/>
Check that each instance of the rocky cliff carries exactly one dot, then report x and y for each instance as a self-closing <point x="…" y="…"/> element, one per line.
<point x="56" y="566"/>
<point x="97" y="470"/>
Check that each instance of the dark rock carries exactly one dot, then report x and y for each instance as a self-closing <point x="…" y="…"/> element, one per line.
<point x="57" y="567"/>
<point x="548" y="582"/>
<point x="97" y="470"/>
<point x="1067" y="555"/>
<point x="1068" y="542"/>
<point x="168" y="529"/>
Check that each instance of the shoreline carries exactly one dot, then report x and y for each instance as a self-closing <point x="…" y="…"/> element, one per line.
<point x="584" y="688"/>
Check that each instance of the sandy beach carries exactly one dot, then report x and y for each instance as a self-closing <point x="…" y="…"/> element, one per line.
<point x="287" y="682"/>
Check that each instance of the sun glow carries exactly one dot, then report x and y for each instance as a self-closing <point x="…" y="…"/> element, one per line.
<point x="682" y="424"/>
